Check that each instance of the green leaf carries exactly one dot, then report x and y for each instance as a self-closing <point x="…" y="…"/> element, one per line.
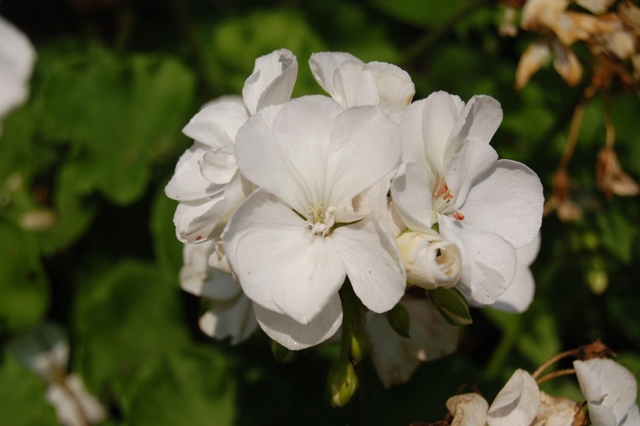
<point x="23" y="395"/>
<point x="187" y="388"/>
<point x="120" y="112"/>
<point x="539" y="340"/>
<point x="419" y="12"/>
<point x="23" y="283"/>
<point x="452" y="305"/>
<point x="74" y="213"/>
<point x="167" y="248"/>
<point x="126" y="316"/>
<point x="20" y="153"/>
<point x="399" y="320"/>
<point x="617" y="234"/>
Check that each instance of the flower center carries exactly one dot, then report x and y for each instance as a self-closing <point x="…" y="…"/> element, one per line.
<point x="442" y="203"/>
<point x="321" y="220"/>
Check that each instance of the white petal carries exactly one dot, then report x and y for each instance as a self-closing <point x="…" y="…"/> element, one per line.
<point x="373" y="263"/>
<point x="508" y="201"/>
<point x="632" y="418"/>
<point x="73" y="403"/>
<point x="519" y="294"/>
<point x="392" y="357"/>
<point x="606" y="385"/>
<point x="296" y="336"/>
<point x="517" y="402"/>
<point x="271" y="250"/>
<point x="488" y="261"/>
<point x="354" y="85"/>
<point x="217" y="124"/>
<point x="187" y="183"/>
<point x="219" y="165"/>
<point x="198" y="221"/>
<point x="324" y="65"/>
<point x="478" y="121"/>
<point x="432" y="337"/>
<point x="395" y="88"/>
<point x="272" y="80"/>
<point x="284" y="149"/>
<point x="365" y="146"/>
<point x="200" y="279"/>
<point x="302" y="289"/>
<point x="601" y="415"/>
<point x="16" y="63"/>
<point x="411" y="133"/>
<point x="395" y="358"/>
<point x="440" y="115"/>
<point x="233" y="318"/>
<point x="411" y="192"/>
<point x="465" y="167"/>
<point x="469" y="409"/>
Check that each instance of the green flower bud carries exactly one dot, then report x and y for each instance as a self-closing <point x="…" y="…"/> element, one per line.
<point x="452" y="305"/>
<point x="359" y="346"/>
<point x="342" y="384"/>
<point x="399" y="320"/>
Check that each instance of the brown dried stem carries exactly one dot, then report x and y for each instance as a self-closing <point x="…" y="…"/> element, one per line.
<point x="555" y="374"/>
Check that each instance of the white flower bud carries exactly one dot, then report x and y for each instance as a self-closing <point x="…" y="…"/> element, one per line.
<point x="431" y="262"/>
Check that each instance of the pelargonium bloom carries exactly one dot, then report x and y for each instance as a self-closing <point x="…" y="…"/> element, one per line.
<point x="452" y="179"/>
<point x="206" y="181"/>
<point x="293" y="241"/>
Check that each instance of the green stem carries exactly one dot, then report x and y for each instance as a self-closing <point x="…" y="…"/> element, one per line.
<point x="500" y="354"/>
<point x="425" y="43"/>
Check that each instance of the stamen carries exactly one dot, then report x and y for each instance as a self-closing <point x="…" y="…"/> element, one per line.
<point x="321" y="220"/>
<point x="458" y="215"/>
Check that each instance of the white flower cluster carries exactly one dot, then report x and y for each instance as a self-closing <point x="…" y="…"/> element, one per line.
<point x="291" y="197"/>
<point x="609" y="389"/>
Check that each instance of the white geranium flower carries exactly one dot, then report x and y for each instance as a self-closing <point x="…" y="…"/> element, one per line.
<point x="610" y="390"/>
<point x="351" y="82"/>
<point x="206" y="181"/>
<point x="396" y="358"/>
<point x="517" y="403"/>
<point x="16" y="64"/>
<point x="231" y="313"/>
<point x="453" y="178"/>
<point x="293" y="242"/>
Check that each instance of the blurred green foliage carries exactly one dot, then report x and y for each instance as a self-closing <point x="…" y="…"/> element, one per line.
<point x="86" y="237"/>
